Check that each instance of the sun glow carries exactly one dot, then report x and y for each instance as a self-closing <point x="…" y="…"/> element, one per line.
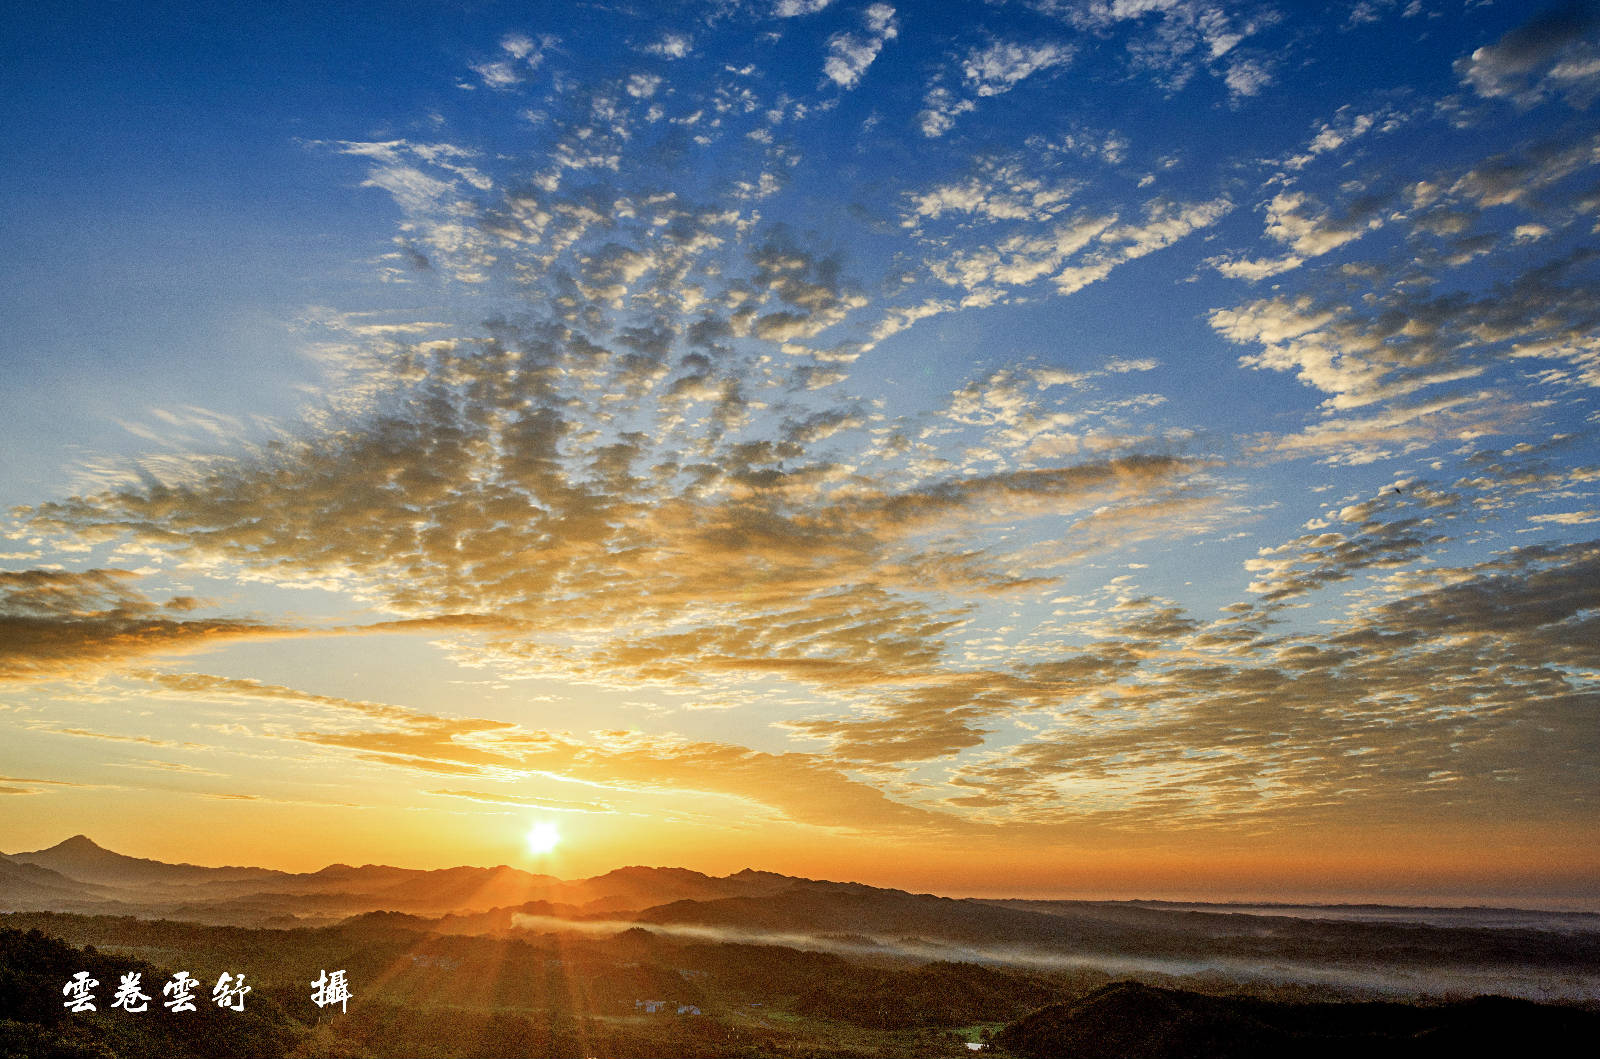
<point x="543" y="837"/>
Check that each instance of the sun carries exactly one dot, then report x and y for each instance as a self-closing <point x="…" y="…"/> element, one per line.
<point x="542" y="837"/>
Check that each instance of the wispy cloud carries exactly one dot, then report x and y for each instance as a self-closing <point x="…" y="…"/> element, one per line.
<point x="906" y="394"/>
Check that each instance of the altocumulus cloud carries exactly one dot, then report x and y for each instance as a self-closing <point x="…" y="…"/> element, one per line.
<point x="690" y="445"/>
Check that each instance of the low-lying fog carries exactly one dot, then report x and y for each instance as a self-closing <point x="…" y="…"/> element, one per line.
<point x="1476" y="918"/>
<point x="1504" y="980"/>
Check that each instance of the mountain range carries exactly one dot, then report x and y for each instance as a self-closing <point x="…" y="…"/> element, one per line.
<point x="79" y="875"/>
<point x="1384" y="953"/>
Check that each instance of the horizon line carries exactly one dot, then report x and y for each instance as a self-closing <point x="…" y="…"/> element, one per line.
<point x="1554" y="904"/>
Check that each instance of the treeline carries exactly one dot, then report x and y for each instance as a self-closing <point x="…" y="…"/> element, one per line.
<point x="573" y="977"/>
<point x="383" y="1029"/>
<point x="939" y="994"/>
<point x="35" y="1021"/>
<point x="427" y="996"/>
<point x="1129" y="1018"/>
<point x="416" y="993"/>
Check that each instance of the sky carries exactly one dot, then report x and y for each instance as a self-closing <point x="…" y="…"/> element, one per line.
<point x="1139" y="448"/>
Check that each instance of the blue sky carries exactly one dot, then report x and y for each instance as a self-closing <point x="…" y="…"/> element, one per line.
<point x="1152" y="441"/>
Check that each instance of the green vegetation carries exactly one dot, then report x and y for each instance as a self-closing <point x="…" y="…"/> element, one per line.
<point x="419" y="993"/>
<point x="939" y="994"/>
<point x="34" y="1022"/>
<point x="415" y="993"/>
<point x="1131" y="1019"/>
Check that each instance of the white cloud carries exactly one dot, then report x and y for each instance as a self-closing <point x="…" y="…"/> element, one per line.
<point x="850" y="54"/>
<point x="795" y="8"/>
<point x="1020" y="259"/>
<point x="1165" y="224"/>
<point x="1257" y="269"/>
<point x="643" y="86"/>
<point x="522" y="54"/>
<point x="880" y="20"/>
<point x="670" y="46"/>
<point x="1175" y="39"/>
<point x="1568" y="518"/>
<point x="1345" y="127"/>
<point x="940" y="110"/>
<point x="998" y="193"/>
<point x="1247" y="77"/>
<point x="1308" y="229"/>
<point x="991" y="71"/>
<point x="518" y="45"/>
<point x="997" y="68"/>
<point x="1295" y="219"/>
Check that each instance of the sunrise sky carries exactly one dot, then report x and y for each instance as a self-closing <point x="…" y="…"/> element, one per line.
<point x="1114" y="447"/>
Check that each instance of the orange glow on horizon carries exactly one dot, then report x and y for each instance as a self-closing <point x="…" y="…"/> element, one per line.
<point x="1350" y="866"/>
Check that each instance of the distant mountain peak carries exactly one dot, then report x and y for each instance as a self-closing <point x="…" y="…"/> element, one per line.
<point x="81" y="849"/>
<point x="83" y="859"/>
<point x="80" y="843"/>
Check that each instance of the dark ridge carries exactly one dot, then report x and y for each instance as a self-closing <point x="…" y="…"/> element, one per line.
<point x="1131" y="1019"/>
